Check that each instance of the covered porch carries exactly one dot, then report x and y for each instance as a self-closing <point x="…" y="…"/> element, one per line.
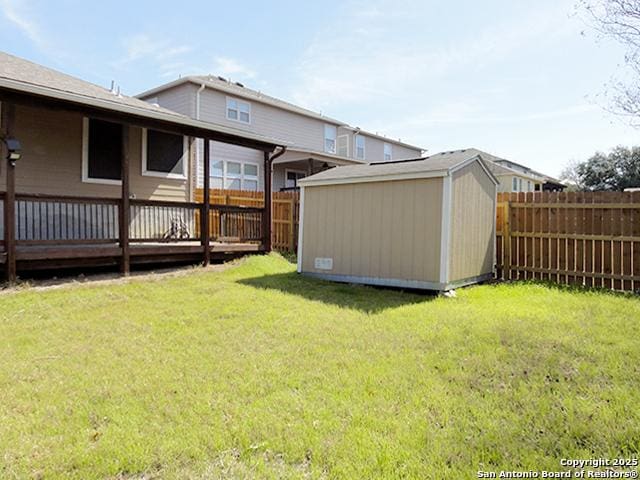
<point x="44" y="230"/>
<point x="297" y="163"/>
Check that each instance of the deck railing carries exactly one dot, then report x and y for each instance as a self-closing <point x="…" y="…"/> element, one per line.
<point x="235" y="223"/>
<point x="154" y="221"/>
<point x="66" y="220"/>
<point x="48" y="219"/>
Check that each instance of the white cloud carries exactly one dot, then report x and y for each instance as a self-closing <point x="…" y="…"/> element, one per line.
<point x="17" y="12"/>
<point x="161" y="52"/>
<point x="374" y="51"/>
<point x="230" y="67"/>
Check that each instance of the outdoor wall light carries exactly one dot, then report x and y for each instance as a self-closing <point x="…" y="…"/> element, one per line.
<point x="14" y="150"/>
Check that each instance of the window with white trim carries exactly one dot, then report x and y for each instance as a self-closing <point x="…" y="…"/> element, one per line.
<point x="164" y="154"/>
<point x="101" y="152"/>
<point x="529" y="186"/>
<point x="292" y="177"/>
<point x="359" y="147"/>
<point x="388" y="152"/>
<point x="330" y="134"/>
<point x="515" y="184"/>
<point x="238" y="110"/>
<point x="520" y="185"/>
<point x="232" y="175"/>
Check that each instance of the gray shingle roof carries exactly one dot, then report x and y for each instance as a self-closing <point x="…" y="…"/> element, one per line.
<point x="17" y="74"/>
<point x="436" y="165"/>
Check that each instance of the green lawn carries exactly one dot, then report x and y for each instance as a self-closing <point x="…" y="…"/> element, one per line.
<point x="256" y="372"/>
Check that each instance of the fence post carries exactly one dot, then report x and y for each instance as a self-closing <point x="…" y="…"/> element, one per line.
<point x="291" y="212"/>
<point x="506" y="238"/>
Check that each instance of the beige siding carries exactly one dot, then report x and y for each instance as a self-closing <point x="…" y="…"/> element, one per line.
<point x="181" y="99"/>
<point x="472" y="234"/>
<point x="266" y="120"/>
<point x="506" y="183"/>
<point x="387" y="230"/>
<point x="52" y="160"/>
<point x="374" y="150"/>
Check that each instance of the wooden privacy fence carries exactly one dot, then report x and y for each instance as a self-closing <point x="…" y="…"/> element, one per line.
<point x="576" y="238"/>
<point x="285" y="213"/>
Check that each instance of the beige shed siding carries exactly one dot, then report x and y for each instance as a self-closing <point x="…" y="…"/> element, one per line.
<point x="472" y="223"/>
<point x="387" y="230"/>
<point x="52" y="160"/>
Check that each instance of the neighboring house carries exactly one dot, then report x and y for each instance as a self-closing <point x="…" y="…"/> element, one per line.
<point x="546" y="182"/>
<point x="316" y="141"/>
<point x="514" y="177"/>
<point x="99" y="170"/>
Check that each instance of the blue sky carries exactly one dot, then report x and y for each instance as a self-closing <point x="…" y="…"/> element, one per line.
<point x="520" y="79"/>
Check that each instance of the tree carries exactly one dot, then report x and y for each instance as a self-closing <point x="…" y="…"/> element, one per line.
<point x="620" y="20"/>
<point x="617" y="170"/>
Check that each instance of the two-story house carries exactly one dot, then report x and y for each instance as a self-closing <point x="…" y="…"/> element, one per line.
<point x="316" y="142"/>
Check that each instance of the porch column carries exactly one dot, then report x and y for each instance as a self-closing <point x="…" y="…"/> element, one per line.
<point x="125" y="212"/>
<point x="206" y="203"/>
<point x="266" y="242"/>
<point x="8" y="120"/>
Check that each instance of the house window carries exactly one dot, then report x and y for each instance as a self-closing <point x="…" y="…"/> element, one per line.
<point x="232" y="175"/>
<point x="238" y="110"/>
<point x="520" y="185"/>
<point x="388" y="152"/>
<point x="515" y="184"/>
<point x="330" y="134"/>
<point x="101" y="152"/>
<point x="529" y="186"/>
<point x="164" y="154"/>
<point x="292" y="177"/>
<point x="360" y="147"/>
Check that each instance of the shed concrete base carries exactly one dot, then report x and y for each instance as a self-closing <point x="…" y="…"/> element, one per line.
<point x="399" y="283"/>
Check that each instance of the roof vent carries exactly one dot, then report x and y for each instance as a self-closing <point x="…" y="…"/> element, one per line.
<point x="222" y="79"/>
<point x="239" y="84"/>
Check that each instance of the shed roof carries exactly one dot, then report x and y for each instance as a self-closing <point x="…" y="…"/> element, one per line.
<point x="437" y="165"/>
<point x="22" y="76"/>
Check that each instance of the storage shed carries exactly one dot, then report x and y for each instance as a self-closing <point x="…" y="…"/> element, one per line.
<point x="427" y="223"/>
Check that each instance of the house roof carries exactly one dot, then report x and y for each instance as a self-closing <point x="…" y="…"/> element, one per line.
<point x="239" y="90"/>
<point x="438" y="165"/>
<point x="22" y="76"/>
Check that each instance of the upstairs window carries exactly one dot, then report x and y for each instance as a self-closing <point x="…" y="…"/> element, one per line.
<point x="359" y="147"/>
<point x="388" y="152"/>
<point x="515" y="184"/>
<point x="238" y="110"/>
<point x="330" y="134"/>
<point x="164" y="154"/>
<point x="101" y="152"/>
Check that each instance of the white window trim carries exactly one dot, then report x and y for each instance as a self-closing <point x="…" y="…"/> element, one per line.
<point x="237" y="120"/>
<point x="153" y="173"/>
<point x="325" y="138"/>
<point x="384" y="151"/>
<point x="292" y="170"/>
<point x="85" y="159"/>
<point x="364" y="147"/>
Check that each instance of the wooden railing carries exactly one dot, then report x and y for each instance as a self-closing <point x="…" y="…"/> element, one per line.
<point x="156" y="221"/>
<point x="68" y="220"/>
<point x="234" y="223"/>
<point x="285" y="212"/>
<point x="48" y="219"/>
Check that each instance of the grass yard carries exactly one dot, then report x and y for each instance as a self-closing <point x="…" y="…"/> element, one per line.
<point x="255" y="372"/>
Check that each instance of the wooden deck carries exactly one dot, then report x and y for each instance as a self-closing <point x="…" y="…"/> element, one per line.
<point x="59" y="232"/>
